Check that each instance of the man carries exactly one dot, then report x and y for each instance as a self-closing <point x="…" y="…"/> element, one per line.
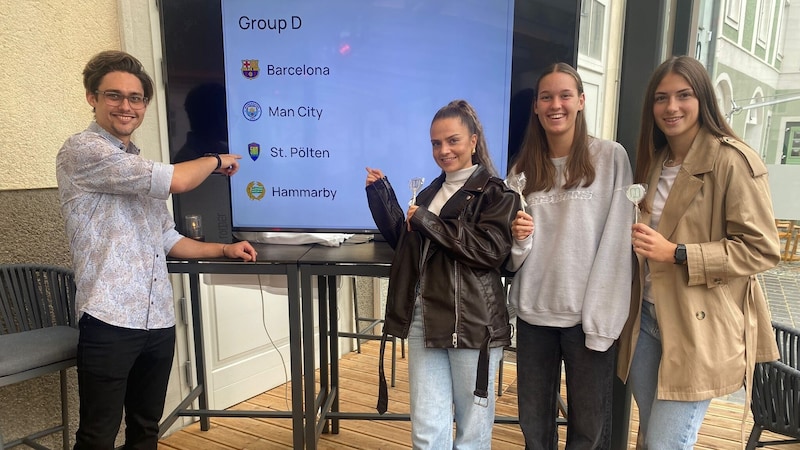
<point x="120" y="233"/>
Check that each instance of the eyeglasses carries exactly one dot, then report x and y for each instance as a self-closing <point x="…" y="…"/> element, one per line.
<point x="115" y="99"/>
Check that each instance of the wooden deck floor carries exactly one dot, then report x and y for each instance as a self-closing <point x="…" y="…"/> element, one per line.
<point x="721" y="429"/>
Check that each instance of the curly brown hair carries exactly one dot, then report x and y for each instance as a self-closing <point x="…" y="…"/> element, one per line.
<point x="109" y="61"/>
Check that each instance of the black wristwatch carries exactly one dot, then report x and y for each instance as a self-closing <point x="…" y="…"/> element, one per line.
<point x="680" y="254"/>
<point x="219" y="160"/>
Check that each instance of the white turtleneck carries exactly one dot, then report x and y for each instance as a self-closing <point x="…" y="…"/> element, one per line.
<point x="453" y="181"/>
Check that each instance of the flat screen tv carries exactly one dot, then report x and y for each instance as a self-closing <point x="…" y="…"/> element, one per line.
<point x="310" y="92"/>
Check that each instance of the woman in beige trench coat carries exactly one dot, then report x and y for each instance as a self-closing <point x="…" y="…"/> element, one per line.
<point x="698" y="321"/>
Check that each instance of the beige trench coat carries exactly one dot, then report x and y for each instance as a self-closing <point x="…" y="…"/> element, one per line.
<point x="714" y="320"/>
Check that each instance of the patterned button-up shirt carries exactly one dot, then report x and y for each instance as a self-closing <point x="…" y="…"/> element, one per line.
<point x="119" y="229"/>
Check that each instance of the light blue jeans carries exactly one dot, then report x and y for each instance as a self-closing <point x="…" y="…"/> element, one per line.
<point x="663" y="424"/>
<point x="441" y="383"/>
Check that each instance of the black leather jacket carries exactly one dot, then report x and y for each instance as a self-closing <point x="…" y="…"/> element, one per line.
<point x="460" y="281"/>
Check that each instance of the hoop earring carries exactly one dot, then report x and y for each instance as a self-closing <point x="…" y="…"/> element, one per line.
<point x="473" y="150"/>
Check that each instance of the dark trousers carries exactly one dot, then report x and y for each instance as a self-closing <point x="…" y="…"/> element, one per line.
<point x="121" y="368"/>
<point x="590" y="376"/>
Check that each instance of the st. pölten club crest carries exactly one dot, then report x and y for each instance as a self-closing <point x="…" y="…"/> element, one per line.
<point x="254" y="149"/>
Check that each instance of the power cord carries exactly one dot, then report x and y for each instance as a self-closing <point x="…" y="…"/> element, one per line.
<point x="283" y="361"/>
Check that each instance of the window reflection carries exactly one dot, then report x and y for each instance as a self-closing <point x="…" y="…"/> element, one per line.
<point x="592" y="28"/>
<point x="755" y="69"/>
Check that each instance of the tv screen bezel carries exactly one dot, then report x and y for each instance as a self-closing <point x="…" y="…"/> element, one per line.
<point x="545" y="31"/>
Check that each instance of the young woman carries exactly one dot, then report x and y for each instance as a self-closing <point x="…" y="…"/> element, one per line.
<point x="445" y="290"/>
<point x="573" y="275"/>
<point x="698" y="320"/>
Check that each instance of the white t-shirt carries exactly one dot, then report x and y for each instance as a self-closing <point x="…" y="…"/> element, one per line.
<point x="665" y="182"/>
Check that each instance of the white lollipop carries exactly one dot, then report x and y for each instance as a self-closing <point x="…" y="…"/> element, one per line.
<point x="635" y="194"/>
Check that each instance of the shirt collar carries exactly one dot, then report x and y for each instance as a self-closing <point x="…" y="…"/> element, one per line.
<point x="131" y="148"/>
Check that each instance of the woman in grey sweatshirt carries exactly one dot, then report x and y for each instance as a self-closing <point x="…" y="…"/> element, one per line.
<point x="573" y="260"/>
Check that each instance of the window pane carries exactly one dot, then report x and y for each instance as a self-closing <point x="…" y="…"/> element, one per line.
<point x="733" y="10"/>
<point x="590" y="39"/>
<point x="583" y="36"/>
<point x="596" y="44"/>
<point x="764" y="20"/>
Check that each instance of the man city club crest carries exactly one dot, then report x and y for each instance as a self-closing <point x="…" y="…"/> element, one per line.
<point x="254" y="149"/>
<point x="250" y="68"/>
<point x="255" y="190"/>
<point x="251" y="111"/>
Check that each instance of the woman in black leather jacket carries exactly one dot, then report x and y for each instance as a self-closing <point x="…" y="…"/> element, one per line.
<point x="445" y="289"/>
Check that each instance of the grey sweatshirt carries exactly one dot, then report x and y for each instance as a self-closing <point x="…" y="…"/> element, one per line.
<point x="577" y="265"/>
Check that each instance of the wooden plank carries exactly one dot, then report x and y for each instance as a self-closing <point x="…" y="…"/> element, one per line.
<point x="358" y="388"/>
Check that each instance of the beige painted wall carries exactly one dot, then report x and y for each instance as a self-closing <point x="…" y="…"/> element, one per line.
<point x="43" y="48"/>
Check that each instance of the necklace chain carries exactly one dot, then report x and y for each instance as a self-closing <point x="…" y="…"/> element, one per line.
<point x="671" y="162"/>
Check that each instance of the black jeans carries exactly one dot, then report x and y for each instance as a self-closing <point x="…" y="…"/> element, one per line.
<point x="590" y="377"/>
<point x="121" y="367"/>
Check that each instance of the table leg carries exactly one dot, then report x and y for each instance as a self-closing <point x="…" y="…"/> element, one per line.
<point x="199" y="352"/>
<point x="309" y="365"/>
<point x="322" y="321"/>
<point x="295" y="358"/>
<point x="333" y="340"/>
<point x="786" y="256"/>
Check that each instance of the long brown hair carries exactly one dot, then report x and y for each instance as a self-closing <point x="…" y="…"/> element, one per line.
<point x="534" y="160"/>
<point x="652" y="140"/>
<point x="462" y="110"/>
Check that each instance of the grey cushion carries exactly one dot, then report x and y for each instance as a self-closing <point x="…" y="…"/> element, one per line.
<point x="36" y="348"/>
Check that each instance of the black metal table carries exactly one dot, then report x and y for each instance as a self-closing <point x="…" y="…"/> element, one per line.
<point x="370" y="259"/>
<point x="300" y="263"/>
<point x="272" y="260"/>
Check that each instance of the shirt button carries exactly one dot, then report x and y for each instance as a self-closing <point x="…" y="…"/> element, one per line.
<point x="700" y="315"/>
<point x="717" y="280"/>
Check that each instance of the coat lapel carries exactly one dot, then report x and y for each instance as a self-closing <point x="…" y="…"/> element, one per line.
<point x="689" y="181"/>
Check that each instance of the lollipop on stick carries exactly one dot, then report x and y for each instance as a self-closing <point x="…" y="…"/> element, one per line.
<point x="414" y="184"/>
<point x="517" y="183"/>
<point x="635" y="194"/>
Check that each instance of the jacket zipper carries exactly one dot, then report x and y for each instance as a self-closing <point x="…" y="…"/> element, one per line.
<point x="455" y="304"/>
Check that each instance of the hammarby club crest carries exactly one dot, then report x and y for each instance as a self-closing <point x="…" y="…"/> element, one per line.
<point x="255" y="190"/>
<point x="250" y="68"/>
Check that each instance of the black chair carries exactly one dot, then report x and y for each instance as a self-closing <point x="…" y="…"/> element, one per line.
<point x="776" y="392"/>
<point x="38" y="333"/>
<point x="366" y="329"/>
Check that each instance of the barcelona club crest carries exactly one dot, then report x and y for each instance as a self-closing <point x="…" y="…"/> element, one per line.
<point x="250" y="68"/>
<point x="254" y="149"/>
<point x="251" y="111"/>
<point x="255" y="190"/>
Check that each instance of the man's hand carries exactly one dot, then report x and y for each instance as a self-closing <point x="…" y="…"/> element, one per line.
<point x="239" y="250"/>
